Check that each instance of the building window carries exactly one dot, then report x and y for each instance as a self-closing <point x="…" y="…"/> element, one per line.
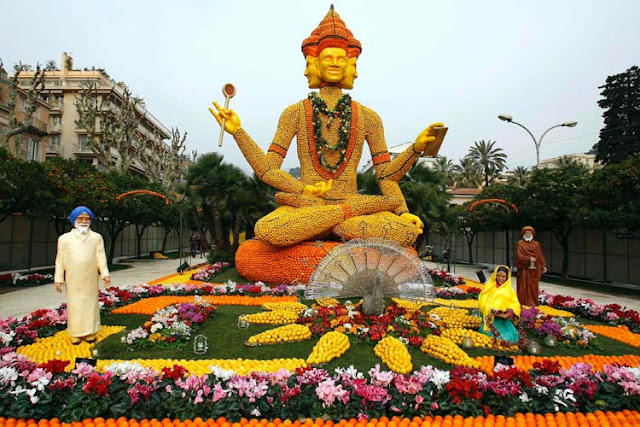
<point x="21" y="106"/>
<point x="33" y="150"/>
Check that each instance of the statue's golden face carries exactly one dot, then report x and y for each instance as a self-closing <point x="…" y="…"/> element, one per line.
<point x="311" y="73"/>
<point x="350" y="74"/>
<point x="331" y="64"/>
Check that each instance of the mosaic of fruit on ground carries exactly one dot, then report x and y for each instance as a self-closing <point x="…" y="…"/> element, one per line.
<point x="318" y="358"/>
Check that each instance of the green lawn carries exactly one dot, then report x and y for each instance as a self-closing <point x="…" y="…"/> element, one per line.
<point x="226" y="341"/>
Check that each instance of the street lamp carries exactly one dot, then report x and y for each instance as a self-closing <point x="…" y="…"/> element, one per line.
<point x="509" y="119"/>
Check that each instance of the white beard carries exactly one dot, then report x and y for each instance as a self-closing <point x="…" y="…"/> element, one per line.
<point x="82" y="228"/>
<point x="527" y="239"/>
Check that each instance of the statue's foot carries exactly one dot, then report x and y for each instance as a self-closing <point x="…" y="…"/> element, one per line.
<point x="76" y="340"/>
<point x="383" y="225"/>
<point x="90" y="338"/>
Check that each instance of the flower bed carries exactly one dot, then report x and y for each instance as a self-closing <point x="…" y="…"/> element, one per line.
<point x="36" y="391"/>
<point x="211" y="388"/>
<point x="207" y="273"/>
<point x="170" y="326"/>
<point x="613" y="314"/>
<point x="442" y="278"/>
<point x="25" y="280"/>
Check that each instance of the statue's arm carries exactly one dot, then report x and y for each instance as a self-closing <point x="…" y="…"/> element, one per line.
<point x="58" y="275"/>
<point x="267" y="166"/>
<point x="374" y="134"/>
<point x="101" y="257"/>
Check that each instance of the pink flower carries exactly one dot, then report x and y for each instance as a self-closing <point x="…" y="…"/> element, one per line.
<point x="328" y="392"/>
<point x="219" y="392"/>
<point x="381" y="378"/>
<point x="83" y="370"/>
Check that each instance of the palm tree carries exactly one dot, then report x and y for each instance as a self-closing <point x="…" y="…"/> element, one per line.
<point x="424" y="191"/>
<point x="444" y="165"/>
<point x="467" y="174"/>
<point x="215" y="182"/>
<point x="491" y="160"/>
<point x="520" y="176"/>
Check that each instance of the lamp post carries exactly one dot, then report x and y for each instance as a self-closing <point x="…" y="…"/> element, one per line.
<point x="509" y="119"/>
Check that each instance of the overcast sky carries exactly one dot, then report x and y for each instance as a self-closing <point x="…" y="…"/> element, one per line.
<point x="460" y="62"/>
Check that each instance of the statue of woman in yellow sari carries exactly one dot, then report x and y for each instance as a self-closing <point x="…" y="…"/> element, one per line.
<point x="499" y="305"/>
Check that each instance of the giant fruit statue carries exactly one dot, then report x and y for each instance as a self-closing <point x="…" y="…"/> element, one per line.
<point x="330" y="129"/>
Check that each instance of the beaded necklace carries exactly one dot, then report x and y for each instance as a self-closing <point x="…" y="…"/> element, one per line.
<point x="342" y="112"/>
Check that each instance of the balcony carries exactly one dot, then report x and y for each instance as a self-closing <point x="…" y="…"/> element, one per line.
<point x="56" y="105"/>
<point x="82" y="148"/>
<point x="53" y="148"/>
<point x="55" y="127"/>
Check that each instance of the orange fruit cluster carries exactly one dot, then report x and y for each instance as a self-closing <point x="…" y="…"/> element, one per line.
<point x="619" y="333"/>
<point x="624" y="418"/>
<point x="525" y="363"/>
<point x="256" y="260"/>
<point x="153" y="304"/>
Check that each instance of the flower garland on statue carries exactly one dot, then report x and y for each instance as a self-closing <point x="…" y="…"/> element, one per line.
<point x="342" y="112"/>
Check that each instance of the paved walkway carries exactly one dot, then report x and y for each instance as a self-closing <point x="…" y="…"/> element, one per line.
<point x="598" y="297"/>
<point x="23" y="301"/>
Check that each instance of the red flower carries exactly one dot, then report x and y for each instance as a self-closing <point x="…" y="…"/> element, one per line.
<point x="54" y="366"/>
<point x="174" y="373"/>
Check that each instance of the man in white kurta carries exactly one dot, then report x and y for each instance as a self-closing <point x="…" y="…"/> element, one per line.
<point x="80" y="260"/>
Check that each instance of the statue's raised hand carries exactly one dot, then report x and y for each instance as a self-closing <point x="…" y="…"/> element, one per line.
<point x="425" y="137"/>
<point x="232" y="121"/>
<point x="318" y="189"/>
<point x="415" y="220"/>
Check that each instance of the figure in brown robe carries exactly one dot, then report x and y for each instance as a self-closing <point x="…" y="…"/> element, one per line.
<point x="531" y="265"/>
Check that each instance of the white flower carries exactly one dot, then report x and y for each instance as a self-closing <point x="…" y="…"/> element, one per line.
<point x="404" y="340"/>
<point x="562" y="397"/>
<point x="30" y="391"/>
<point x="121" y="368"/>
<point x="347" y="326"/>
<point x="8" y="375"/>
<point x="542" y="390"/>
<point x="156" y="327"/>
<point x="524" y="397"/>
<point x="350" y="372"/>
<point x="222" y="374"/>
<point x="6" y="338"/>
<point x="439" y="378"/>
<point x="255" y="412"/>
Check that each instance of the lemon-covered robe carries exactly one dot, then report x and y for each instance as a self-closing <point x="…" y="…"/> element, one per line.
<point x="79" y="262"/>
<point x="500" y="298"/>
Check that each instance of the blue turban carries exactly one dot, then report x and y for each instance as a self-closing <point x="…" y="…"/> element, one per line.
<point x="77" y="212"/>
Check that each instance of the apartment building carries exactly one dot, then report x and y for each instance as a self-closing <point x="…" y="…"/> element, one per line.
<point x="63" y="88"/>
<point x="32" y="145"/>
<point x="587" y="159"/>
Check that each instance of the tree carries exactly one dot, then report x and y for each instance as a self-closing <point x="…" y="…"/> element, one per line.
<point x="426" y="197"/>
<point x="214" y="181"/>
<point x="71" y="183"/>
<point x="111" y="121"/>
<point x="467" y="173"/>
<point x="491" y="159"/>
<point x="21" y="185"/>
<point x="551" y="199"/>
<point x="444" y="165"/>
<point x="166" y="164"/>
<point x="520" y="176"/>
<point x="25" y="125"/>
<point x="612" y="199"/>
<point x="50" y="65"/>
<point x="620" y="137"/>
